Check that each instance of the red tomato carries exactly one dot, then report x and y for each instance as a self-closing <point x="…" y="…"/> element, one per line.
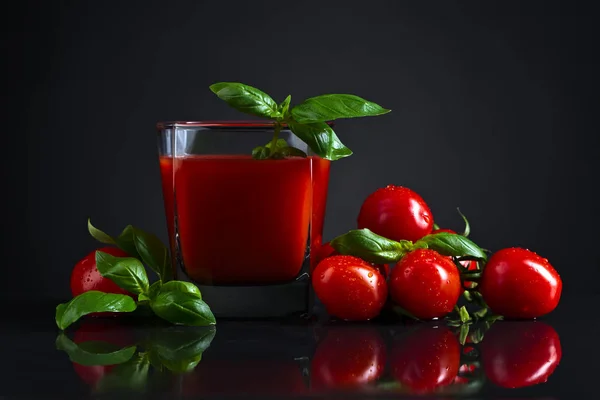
<point x="396" y="213"/>
<point x="348" y="357"/>
<point x="443" y="230"/>
<point x="426" y="359"/>
<point x="470" y="265"/>
<point x="426" y="284"/>
<point x="520" y="353"/>
<point x="96" y="330"/>
<point x="349" y="288"/>
<point x="517" y="283"/>
<point x="85" y="275"/>
<point x="327" y="251"/>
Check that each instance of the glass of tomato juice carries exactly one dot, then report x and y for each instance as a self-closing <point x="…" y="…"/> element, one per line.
<point x="242" y="229"/>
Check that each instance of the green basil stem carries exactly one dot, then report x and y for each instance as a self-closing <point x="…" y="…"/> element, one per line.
<point x="277" y="128"/>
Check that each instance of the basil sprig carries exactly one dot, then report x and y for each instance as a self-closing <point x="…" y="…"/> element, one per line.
<point x="178" y="302"/>
<point x="145" y="246"/>
<point x="377" y="249"/>
<point x="306" y="120"/>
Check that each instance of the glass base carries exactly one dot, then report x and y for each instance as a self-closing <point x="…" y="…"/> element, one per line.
<point x="293" y="299"/>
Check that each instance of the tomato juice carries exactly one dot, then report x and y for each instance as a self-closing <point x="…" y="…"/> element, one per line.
<point x="242" y="221"/>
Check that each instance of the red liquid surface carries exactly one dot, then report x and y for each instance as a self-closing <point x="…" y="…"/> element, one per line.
<point x="243" y="221"/>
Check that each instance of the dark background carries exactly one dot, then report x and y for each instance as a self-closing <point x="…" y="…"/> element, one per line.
<point x="494" y="111"/>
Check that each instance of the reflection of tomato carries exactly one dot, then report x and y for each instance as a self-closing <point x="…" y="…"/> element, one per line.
<point x="348" y="357"/>
<point x="517" y="354"/>
<point x="426" y="359"/>
<point x="101" y="331"/>
<point x="244" y="377"/>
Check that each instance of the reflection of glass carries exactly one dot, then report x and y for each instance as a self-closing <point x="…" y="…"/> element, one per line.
<point x="242" y="228"/>
<point x="253" y="359"/>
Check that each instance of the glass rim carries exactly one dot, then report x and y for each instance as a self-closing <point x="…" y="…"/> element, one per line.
<point x="221" y="123"/>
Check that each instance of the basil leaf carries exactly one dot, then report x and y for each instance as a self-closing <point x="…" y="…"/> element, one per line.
<point x="279" y="144"/>
<point x="148" y="248"/>
<point x="333" y="106"/>
<point x="127" y="272"/>
<point x="181" y="286"/>
<point x="284" y="107"/>
<point x="451" y="244"/>
<point x="246" y="99"/>
<point x="181" y="307"/>
<point x="132" y="375"/>
<point x="99" y="235"/>
<point x="369" y="246"/>
<point x="91" y="302"/>
<point x="321" y="139"/>
<point x="152" y="292"/>
<point x="260" y="153"/>
<point x="180" y="351"/>
<point x="94" y="352"/>
<point x="290" y="152"/>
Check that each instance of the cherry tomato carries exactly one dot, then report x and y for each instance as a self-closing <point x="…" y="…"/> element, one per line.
<point x="426" y="359"/>
<point x="99" y="331"/>
<point x="348" y="357"/>
<point x="349" y="288"/>
<point x="470" y="265"/>
<point x="518" y="283"/>
<point x="426" y="284"/>
<point x="396" y="213"/>
<point x="85" y="275"/>
<point x="520" y="353"/>
<point x="327" y="251"/>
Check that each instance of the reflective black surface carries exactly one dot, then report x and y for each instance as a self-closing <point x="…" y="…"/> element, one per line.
<point x="554" y="357"/>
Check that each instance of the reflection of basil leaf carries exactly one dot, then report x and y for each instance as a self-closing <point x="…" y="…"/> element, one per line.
<point x="180" y="350"/>
<point x="94" y="352"/>
<point x="132" y="375"/>
<point x="91" y="302"/>
<point x="127" y="272"/>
